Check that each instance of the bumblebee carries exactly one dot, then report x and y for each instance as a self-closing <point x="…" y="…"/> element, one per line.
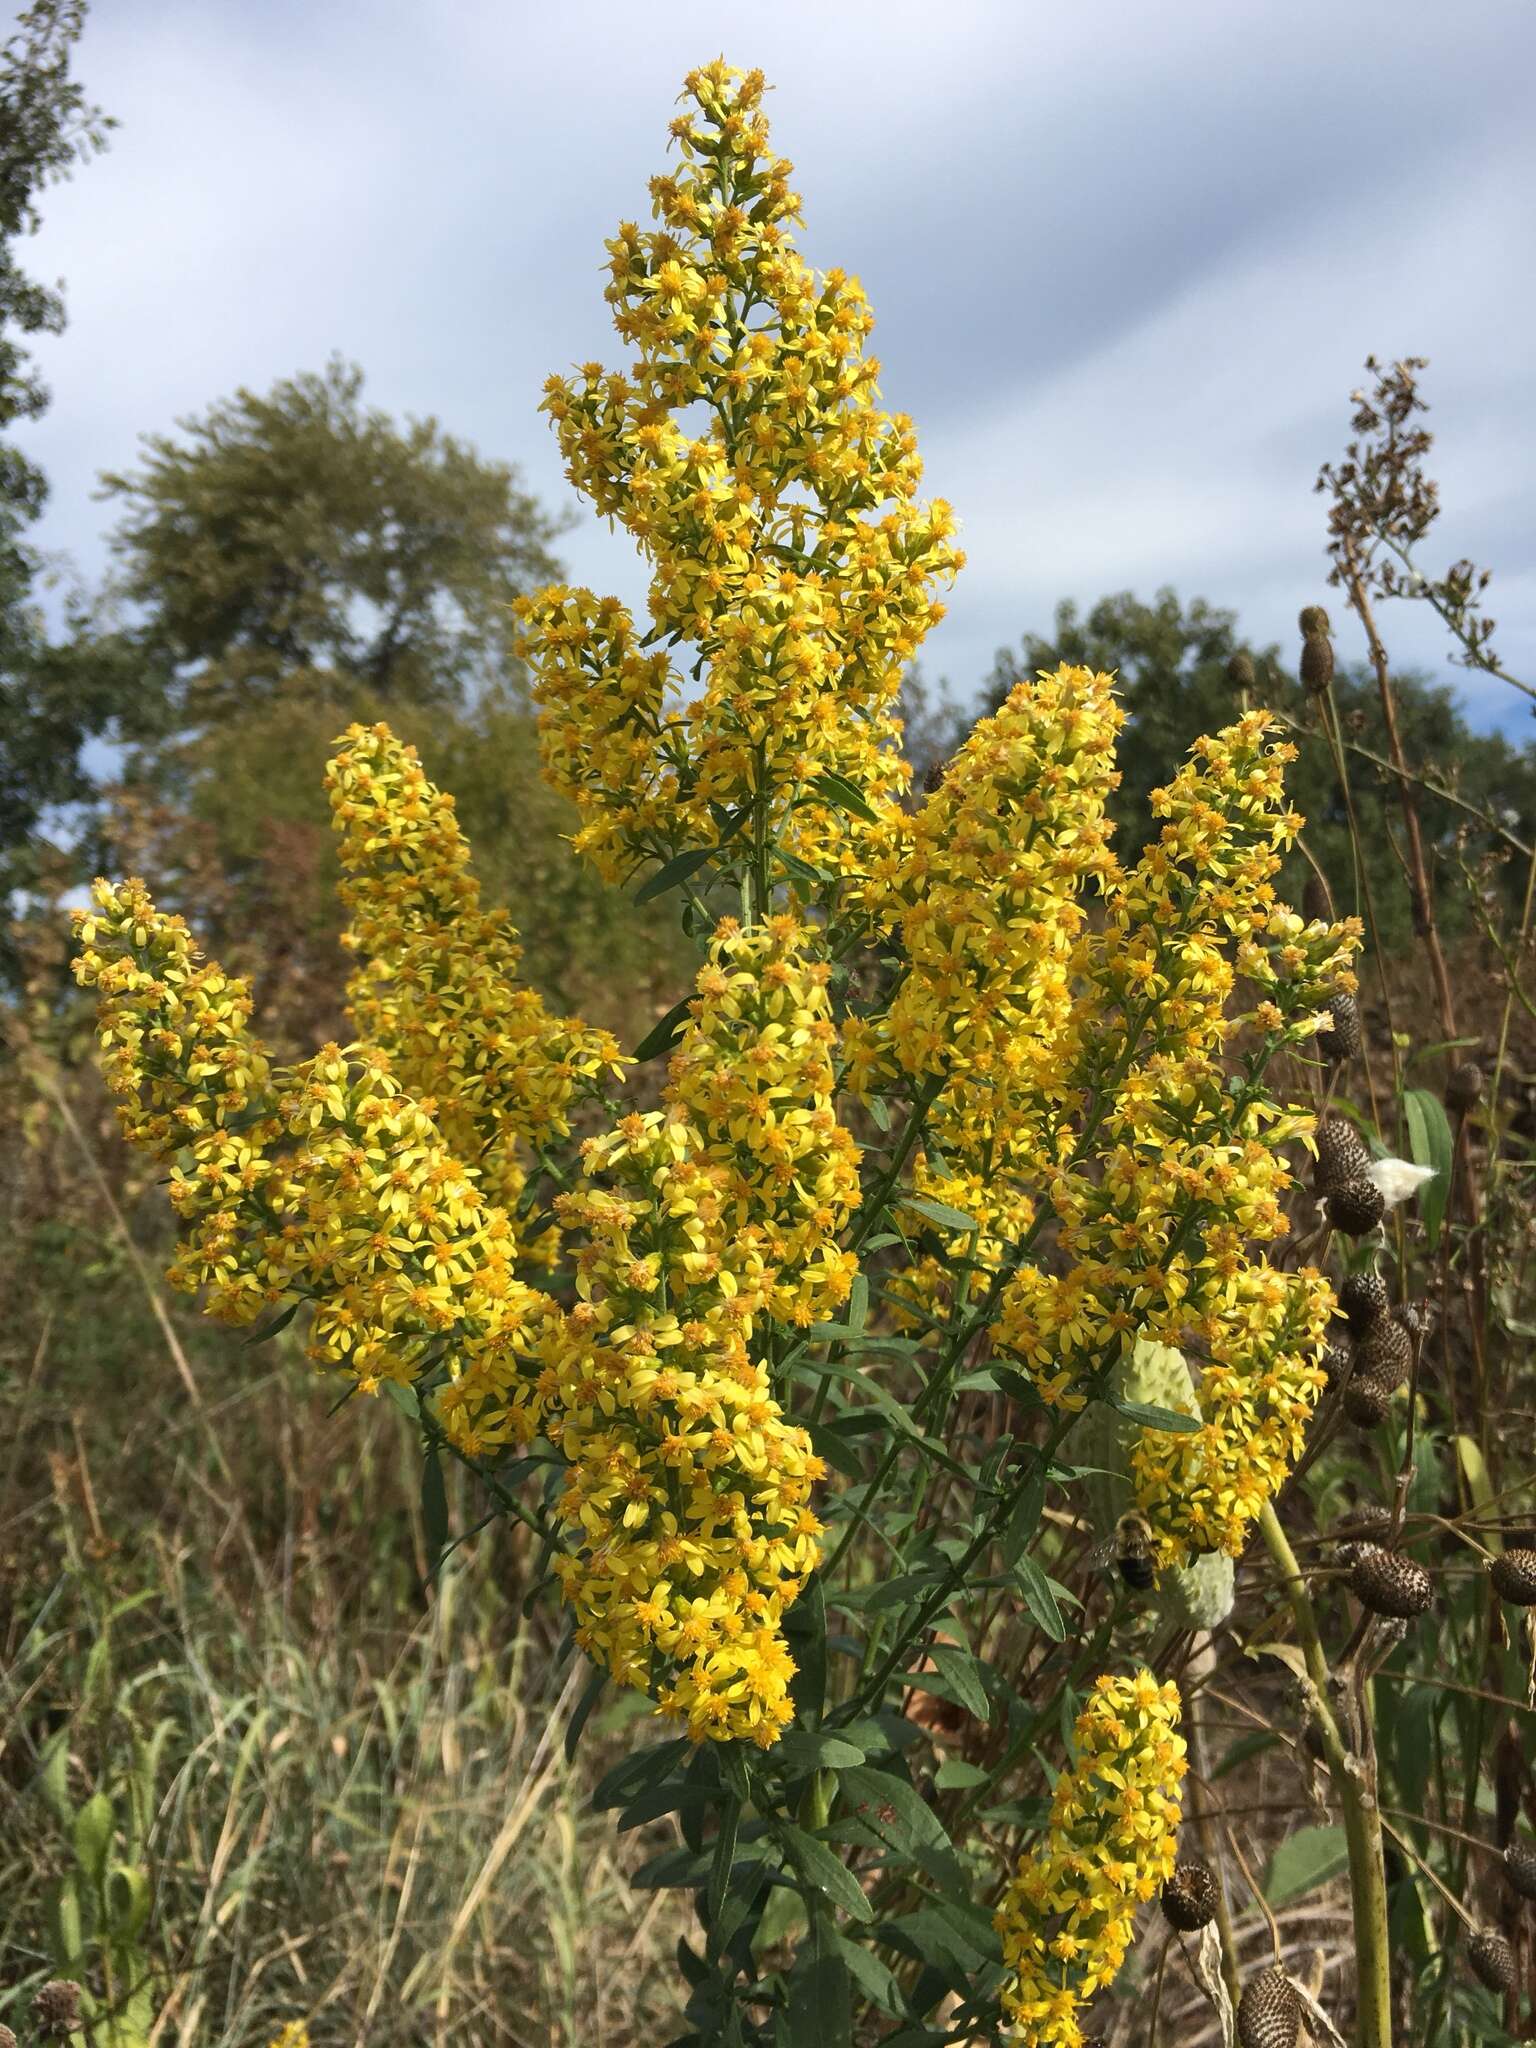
<point x="1130" y="1551"/>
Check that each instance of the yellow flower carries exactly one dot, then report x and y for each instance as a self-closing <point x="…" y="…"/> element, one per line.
<point x="1067" y="1917"/>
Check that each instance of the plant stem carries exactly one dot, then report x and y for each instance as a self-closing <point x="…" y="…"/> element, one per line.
<point x="1355" y="1792"/>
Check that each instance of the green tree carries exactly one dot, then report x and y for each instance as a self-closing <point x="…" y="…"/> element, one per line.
<point x="300" y="542"/>
<point x="1172" y="661"/>
<point x="53" y="695"/>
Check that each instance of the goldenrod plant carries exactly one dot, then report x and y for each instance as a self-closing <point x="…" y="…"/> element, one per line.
<point x="782" y="1330"/>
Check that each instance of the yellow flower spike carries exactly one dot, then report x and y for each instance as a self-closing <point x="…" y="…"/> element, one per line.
<point x="777" y="505"/>
<point x="1067" y="1917"/>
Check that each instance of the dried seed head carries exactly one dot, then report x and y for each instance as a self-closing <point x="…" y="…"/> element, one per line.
<point x="1341" y="1155"/>
<point x="933" y="774"/>
<point x="1416" y="1317"/>
<point x="1362" y="1298"/>
<point x="1338" y="1363"/>
<point x="1341" y="1040"/>
<point x="1520" y="1868"/>
<point x="1240" y="670"/>
<point x="1367" y="1402"/>
<point x="7" y="2038"/>
<point x="1313" y="620"/>
<point x="1385" y="1353"/>
<point x="1514" y="1577"/>
<point x="1492" y="1962"/>
<point x="1269" y="2012"/>
<point x="1190" y="1897"/>
<point x="1317" y="663"/>
<point x="1464" y="1087"/>
<point x="1386" y="1582"/>
<point x="56" y="2008"/>
<point x="1357" y="1207"/>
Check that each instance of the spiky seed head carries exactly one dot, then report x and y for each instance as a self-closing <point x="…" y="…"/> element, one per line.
<point x="1386" y="1582"/>
<point x="1520" y="1868"/>
<point x="1464" y="1087"/>
<point x="1492" y="1962"/>
<point x="1313" y="620"/>
<point x="1338" y="1363"/>
<point x="1356" y="1207"/>
<point x="1416" y="1317"/>
<point x="56" y="2008"/>
<point x="1240" y="670"/>
<point x="1514" y="1577"/>
<point x="1341" y="1039"/>
<point x="1190" y="1897"/>
<point x="1385" y="1353"/>
<point x="7" y="2038"/>
<point x="1362" y="1298"/>
<point x="1317" y="663"/>
<point x="1341" y="1155"/>
<point x="1367" y="1403"/>
<point x="1269" y="2012"/>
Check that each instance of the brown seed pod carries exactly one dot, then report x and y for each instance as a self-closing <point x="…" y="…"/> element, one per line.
<point x="1492" y="1962"/>
<point x="1367" y="1403"/>
<point x="7" y="2038"/>
<point x="1190" y="1897"/>
<point x="1385" y="1353"/>
<point x="1514" y="1577"/>
<point x="1269" y="2012"/>
<point x="1313" y="620"/>
<point x="1341" y="1039"/>
<point x="1362" y="1298"/>
<point x="1240" y="670"/>
<point x="1341" y="1155"/>
<point x="1338" y="1363"/>
<point x="1317" y="663"/>
<point x="1464" y="1087"/>
<point x="1520" y="1868"/>
<point x="56" y="2008"/>
<point x="1386" y="1582"/>
<point x="1356" y="1207"/>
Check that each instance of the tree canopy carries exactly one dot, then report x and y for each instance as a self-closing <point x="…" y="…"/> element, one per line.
<point x="300" y="541"/>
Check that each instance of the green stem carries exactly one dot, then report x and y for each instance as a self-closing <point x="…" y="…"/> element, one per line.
<point x="1354" y="1788"/>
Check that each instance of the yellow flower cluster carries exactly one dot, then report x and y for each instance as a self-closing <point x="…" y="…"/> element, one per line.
<point x="689" y="1487"/>
<point x="754" y="1076"/>
<point x="776" y="503"/>
<point x="986" y="900"/>
<point x="1181" y="1172"/>
<point x="1068" y="1916"/>
<point x="294" y="2035"/>
<point x="436" y="985"/>
<point x="324" y="1181"/>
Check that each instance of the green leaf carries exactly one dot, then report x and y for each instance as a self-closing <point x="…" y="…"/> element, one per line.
<point x="664" y="1033"/>
<point x="676" y="870"/>
<point x="641" y="1767"/>
<point x="1480" y="1486"/>
<point x="1167" y="1419"/>
<point x="955" y="1775"/>
<point x="278" y="1323"/>
<point x="826" y="1872"/>
<point x="821" y="1998"/>
<point x="1430" y="1144"/>
<point x="960" y="1668"/>
<point x="129" y="1897"/>
<point x="405" y="1399"/>
<point x="1040" y="1598"/>
<point x="434" y="1509"/>
<point x="584" y="1706"/>
<point x="805" y="1749"/>
<point x="1303" y="1861"/>
<point x="92" y="1836"/>
<point x="841" y="793"/>
<point x="939" y="1212"/>
<point x="872" y="1976"/>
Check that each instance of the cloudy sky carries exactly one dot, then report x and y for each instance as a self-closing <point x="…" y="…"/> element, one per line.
<point x="1127" y="259"/>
